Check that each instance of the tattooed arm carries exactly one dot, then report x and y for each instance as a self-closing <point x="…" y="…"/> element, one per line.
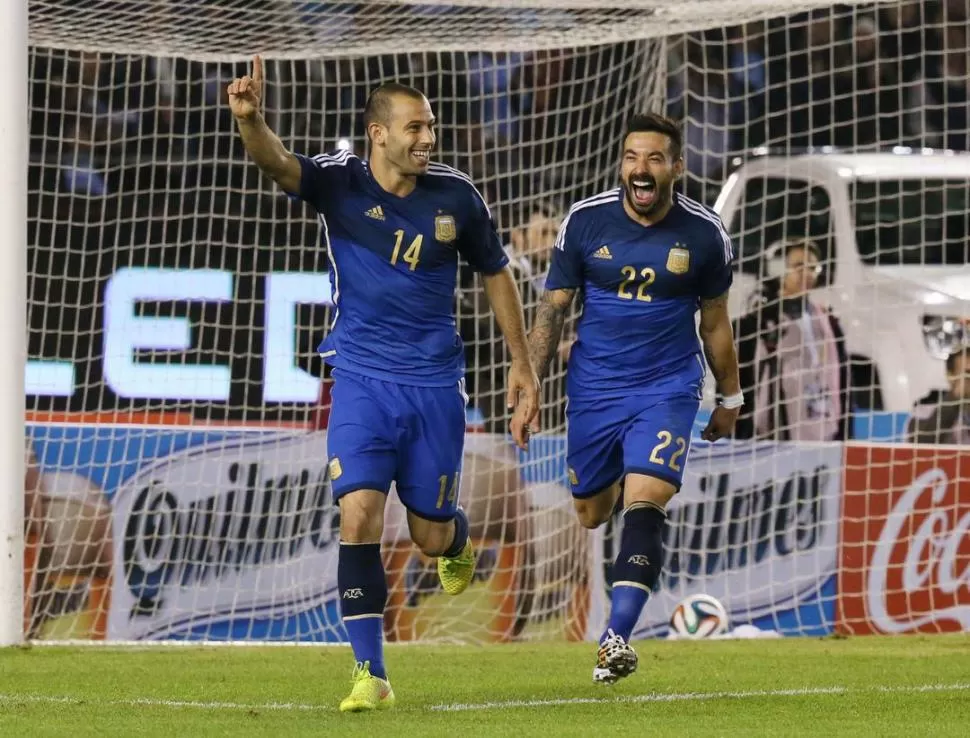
<point x="547" y="329"/>
<point x="717" y="336"/>
<point x="543" y="345"/>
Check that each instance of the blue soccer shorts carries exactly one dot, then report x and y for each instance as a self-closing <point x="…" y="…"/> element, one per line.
<point x="381" y="432"/>
<point x="607" y="439"/>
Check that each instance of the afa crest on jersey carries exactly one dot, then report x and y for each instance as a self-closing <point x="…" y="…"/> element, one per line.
<point x="445" y="229"/>
<point x="678" y="260"/>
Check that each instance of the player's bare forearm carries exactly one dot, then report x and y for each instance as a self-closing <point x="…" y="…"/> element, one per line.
<point x="547" y="331"/>
<point x="269" y="153"/>
<point x="717" y="336"/>
<point x="503" y="296"/>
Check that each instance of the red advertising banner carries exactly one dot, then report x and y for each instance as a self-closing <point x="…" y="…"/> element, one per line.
<point x="904" y="544"/>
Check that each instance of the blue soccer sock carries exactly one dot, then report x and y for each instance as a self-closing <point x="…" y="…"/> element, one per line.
<point x="461" y="535"/>
<point x="637" y="567"/>
<point x="363" y="595"/>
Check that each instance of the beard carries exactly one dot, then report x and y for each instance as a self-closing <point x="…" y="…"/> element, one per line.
<point x="647" y="196"/>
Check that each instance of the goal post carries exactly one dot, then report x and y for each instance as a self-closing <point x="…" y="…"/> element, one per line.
<point x="176" y="417"/>
<point x="13" y="265"/>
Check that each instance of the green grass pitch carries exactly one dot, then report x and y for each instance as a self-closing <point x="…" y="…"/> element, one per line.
<point x="875" y="686"/>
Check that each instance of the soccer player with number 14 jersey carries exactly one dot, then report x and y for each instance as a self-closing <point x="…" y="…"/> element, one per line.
<point x="394" y="226"/>
<point x="644" y="260"/>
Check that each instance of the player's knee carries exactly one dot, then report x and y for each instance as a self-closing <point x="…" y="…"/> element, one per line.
<point x="362" y="516"/>
<point x="590" y="514"/>
<point x="596" y="509"/>
<point x="431" y="537"/>
<point x="647" y="489"/>
<point x="433" y="547"/>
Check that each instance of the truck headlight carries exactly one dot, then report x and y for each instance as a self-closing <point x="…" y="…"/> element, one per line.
<point x="943" y="335"/>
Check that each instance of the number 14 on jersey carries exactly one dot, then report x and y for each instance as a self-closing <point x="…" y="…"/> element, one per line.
<point x="412" y="254"/>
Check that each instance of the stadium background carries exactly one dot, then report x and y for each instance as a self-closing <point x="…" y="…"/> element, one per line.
<point x="144" y="208"/>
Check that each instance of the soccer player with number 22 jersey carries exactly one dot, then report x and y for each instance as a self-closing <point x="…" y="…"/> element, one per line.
<point x="395" y="226"/>
<point x="644" y="260"/>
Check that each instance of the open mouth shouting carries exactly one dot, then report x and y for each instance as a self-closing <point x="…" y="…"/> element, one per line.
<point x="643" y="190"/>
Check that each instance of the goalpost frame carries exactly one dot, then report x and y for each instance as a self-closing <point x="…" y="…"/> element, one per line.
<point x="13" y="262"/>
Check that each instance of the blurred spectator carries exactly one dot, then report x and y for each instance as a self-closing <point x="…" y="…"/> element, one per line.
<point x="490" y="80"/>
<point x="703" y="111"/>
<point x="747" y="79"/>
<point x="793" y="363"/>
<point x="938" y="116"/>
<point x="943" y="416"/>
<point x="529" y="250"/>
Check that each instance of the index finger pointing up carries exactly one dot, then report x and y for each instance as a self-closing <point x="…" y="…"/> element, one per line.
<point x="258" y="69"/>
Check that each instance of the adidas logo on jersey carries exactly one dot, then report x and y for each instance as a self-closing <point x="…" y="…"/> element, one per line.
<point x="603" y="252"/>
<point x="376" y="212"/>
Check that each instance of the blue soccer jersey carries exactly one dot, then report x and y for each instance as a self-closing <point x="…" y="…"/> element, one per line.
<point x="640" y="288"/>
<point x="636" y="369"/>
<point x="394" y="265"/>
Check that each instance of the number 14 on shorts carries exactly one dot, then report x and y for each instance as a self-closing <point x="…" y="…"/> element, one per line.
<point x="447" y="490"/>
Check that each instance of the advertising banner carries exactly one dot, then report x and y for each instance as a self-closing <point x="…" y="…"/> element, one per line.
<point x="232" y="534"/>
<point x="218" y="534"/>
<point x="904" y="559"/>
<point x="755" y="525"/>
<point x="230" y="540"/>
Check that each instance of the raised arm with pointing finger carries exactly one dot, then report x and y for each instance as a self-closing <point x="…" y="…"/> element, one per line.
<point x="264" y="146"/>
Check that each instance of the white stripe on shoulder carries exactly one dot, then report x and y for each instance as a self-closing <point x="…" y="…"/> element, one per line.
<point x="597" y="199"/>
<point x="443" y="170"/>
<point x="341" y="158"/>
<point x="702" y="211"/>
<point x="602" y="198"/>
<point x="439" y="168"/>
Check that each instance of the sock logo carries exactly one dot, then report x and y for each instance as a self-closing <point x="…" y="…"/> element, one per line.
<point x="638" y="560"/>
<point x="354" y="593"/>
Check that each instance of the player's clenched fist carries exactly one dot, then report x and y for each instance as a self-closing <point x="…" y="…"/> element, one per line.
<point x="246" y="92"/>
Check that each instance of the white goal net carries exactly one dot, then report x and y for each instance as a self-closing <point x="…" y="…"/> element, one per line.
<point x="177" y="485"/>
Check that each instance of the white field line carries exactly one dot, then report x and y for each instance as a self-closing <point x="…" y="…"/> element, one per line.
<point x="11" y="699"/>
<point x="33" y="699"/>
<point x="699" y="696"/>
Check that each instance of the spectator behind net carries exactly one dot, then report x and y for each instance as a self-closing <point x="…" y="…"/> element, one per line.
<point x="943" y="416"/>
<point x="793" y="362"/>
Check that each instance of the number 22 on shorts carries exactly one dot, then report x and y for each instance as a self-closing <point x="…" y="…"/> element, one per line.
<point x="666" y="438"/>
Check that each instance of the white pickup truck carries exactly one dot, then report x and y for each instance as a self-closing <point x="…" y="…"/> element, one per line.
<point x="893" y="231"/>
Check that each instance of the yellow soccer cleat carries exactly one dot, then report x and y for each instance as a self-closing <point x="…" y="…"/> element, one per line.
<point x="368" y="693"/>
<point x="456" y="574"/>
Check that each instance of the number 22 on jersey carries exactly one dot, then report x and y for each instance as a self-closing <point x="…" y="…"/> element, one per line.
<point x="647" y="275"/>
<point x="412" y="254"/>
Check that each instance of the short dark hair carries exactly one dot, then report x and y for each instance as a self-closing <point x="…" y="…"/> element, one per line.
<point x="657" y="123"/>
<point x="377" y="109"/>
<point x="805" y="245"/>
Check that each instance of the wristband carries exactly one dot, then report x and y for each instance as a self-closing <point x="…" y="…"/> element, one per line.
<point x="733" y="401"/>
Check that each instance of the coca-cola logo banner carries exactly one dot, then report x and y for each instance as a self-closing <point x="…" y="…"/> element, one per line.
<point x="905" y="541"/>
